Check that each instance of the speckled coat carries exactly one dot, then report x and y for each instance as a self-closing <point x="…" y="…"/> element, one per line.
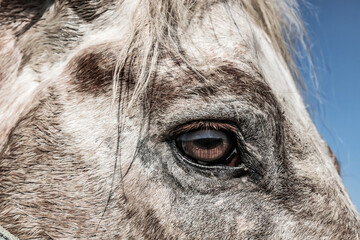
<point x="93" y="94"/>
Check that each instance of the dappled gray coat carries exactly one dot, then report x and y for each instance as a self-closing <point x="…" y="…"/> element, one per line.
<point x="166" y="119"/>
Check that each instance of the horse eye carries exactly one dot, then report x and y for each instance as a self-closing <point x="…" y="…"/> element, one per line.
<point x="208" y="147"/>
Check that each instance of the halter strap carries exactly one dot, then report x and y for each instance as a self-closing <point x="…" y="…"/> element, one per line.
<point x="5" y="235"/>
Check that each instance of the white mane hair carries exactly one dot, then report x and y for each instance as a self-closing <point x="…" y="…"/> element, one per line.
<point x="159" y="26"/>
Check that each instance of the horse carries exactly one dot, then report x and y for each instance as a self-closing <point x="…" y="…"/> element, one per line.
<point x="168" y="119"/>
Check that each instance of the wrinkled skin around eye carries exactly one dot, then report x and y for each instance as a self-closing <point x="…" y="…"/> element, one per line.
<point x="206" y="146"/>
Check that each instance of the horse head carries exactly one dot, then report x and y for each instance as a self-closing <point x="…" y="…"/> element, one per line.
<point x="161" y="120"/>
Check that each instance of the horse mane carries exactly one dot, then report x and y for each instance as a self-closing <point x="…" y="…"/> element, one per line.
<point x="165" y="20"/>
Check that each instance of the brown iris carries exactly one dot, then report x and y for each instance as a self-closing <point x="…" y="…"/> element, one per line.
<point x="206" y="146"/>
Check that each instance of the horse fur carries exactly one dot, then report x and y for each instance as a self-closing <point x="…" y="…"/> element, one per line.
<point x="91" y="95"/>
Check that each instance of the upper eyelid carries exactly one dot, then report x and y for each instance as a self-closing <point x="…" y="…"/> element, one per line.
<point x="204" y="124"/>
<point x="232" y="112"/>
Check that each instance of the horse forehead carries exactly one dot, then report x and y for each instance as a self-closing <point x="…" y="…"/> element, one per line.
<point x="210" y="40"/>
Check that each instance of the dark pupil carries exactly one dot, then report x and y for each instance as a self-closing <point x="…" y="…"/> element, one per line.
<point x="208" y="143"/>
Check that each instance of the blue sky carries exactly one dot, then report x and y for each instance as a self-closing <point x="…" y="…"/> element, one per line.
<point x="334" y="30"/>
